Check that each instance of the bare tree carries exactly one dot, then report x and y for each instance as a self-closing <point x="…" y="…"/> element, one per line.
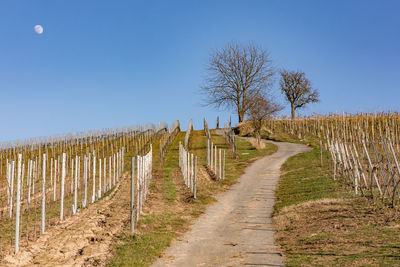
<point x="297" y="89"/>
<point x="236" y="74"/>
<point x="261" y="109"/>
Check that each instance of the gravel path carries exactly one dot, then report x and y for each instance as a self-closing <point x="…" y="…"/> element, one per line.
<point x="237" y="230"/>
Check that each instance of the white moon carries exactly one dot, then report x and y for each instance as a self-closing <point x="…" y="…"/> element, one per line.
<point x="38" y="29"/>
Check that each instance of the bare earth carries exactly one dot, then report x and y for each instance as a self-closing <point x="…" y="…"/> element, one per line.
<point x="237" y="230"/>
<point x="85" y="239"/>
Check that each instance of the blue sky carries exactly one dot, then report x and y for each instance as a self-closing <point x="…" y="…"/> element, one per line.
<point x="102" y="64"/>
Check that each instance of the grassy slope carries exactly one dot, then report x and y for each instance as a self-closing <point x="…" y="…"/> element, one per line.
<point x="321" y="223"/>
<point x="304" y="179"/>
<point x="156" y="230"/>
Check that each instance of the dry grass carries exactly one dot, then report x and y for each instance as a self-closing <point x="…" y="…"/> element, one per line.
<point x="320" y="222"/>
<point x="246" y="129"/>
<point x="256" y="144"/>
<point x="171" y="208"/>
<point x="339" y="232"/>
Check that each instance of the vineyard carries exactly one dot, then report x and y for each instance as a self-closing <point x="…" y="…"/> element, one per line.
<point x="49" y="180"/>
<point x="363" y="148"/>
<point x="43" y="181"/>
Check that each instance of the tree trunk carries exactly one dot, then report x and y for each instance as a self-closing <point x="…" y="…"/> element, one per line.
<point x="241" y="115"/>
<point x="293" y="112"/>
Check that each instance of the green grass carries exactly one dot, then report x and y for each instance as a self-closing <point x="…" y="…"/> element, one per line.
<point x="304" y="179"/>
<point x="352" y="232"/>
<point x="171" y="161"/>
<point x="156" y="231"/>
<point x="143" y="249"/>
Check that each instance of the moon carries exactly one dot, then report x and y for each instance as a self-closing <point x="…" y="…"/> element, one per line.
<point x="38" y="29"/>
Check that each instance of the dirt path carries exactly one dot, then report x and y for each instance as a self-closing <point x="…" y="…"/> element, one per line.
<point x="85" y="239"/>
<point x="238" y="229"/>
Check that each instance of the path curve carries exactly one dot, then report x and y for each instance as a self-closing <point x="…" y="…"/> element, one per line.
<point x="237" y="230"/>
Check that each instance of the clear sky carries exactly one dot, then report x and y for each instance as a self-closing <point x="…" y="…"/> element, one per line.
<point x="101" y="64"/>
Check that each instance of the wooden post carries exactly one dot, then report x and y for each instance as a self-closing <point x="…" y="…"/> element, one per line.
<point x="62" y="187"/>
<point x="22" y="181"/>
<point x="184" y="164"/>
<point x="359" y="165"/>
<point x="109" y="173"/>
<point x="30" y="167"/>
<point x="381" y="167"/>
<point x="223" y="168"/>
<point x="215" y="162"/>
<point x="51" y="172"/>
<point x="114" y="180"/>
<point x="180" y="156"/>
<point x="17" y="215"/>
<point x="195" y="179"/>
<point x="372" y="168"/>
<point x="188" y="168"/>
<point x="99" y="193"/>
<point x="143" y="181"/>
<point x="88" y="171"/>
<point x="211" y="157"/>
<point x="43" y="224"/>
<point x="104" y="176"/>
<point x="8" y="176"/>
<point x="72" y="175"/>
<point x="133" y="197"/>
<point x="79" y="172"/>
<point x="123" y="161"/>
<point x="138" y="171"/>
<point x="143" y="185"/>
<point x="192" y="175"/>
<point x="85" y="179"/>
<point x="208" y="151"/>
<point x="55" y="180"/>
<point x="118" y="166"/>
<point x="75" y="208"/>
<point x="12" y="187"/>
<point x="320" y="150"/>
<point x="94" y="177"/>
<point x="220" y="167"/>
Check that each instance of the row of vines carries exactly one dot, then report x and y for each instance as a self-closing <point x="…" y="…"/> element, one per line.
<point x="364" y="149"/>
<point x="44" y="180"/>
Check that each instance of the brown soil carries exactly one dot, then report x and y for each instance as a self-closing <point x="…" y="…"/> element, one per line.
<point x="89" y="238"/>
<point x="84" y="239"/>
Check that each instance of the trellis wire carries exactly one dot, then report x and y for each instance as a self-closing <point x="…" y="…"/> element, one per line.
<point x="55" y="162"/>
<point x="144" y="175"/>
<point x="363" y="148"/>
<point x="216" y="160"/>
